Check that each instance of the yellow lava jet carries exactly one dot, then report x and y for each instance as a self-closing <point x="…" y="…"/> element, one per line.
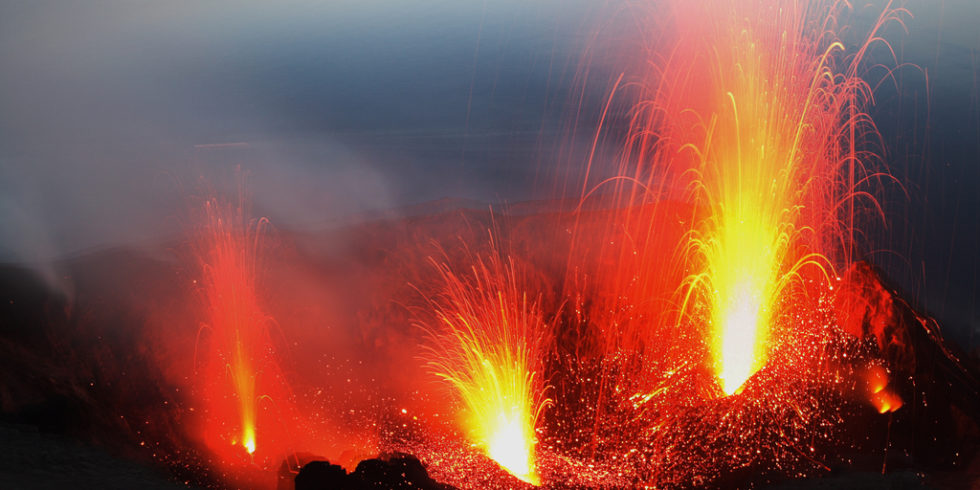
<point x="244" y="381"/>
<point x="249" y="441"/>
<point x="502" y="418"/>
<point x="487" y="343"/>
<point x="237" y="324"/>
<point x="759" y="118"/>
<point x="743" y="253"/>
<point x="742" y="333"/>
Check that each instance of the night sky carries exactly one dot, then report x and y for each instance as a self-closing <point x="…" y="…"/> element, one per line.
<point x="111" y="110"/>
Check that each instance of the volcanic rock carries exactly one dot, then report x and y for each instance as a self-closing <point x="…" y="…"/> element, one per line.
<point x="940" y="426"/>
<point x="322" y="474"/>
<point x="395" y="471"/>
<point x="910" y="342"/>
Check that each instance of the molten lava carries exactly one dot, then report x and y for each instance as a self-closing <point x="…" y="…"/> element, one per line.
<point x="759" y="119"/>
<point x="487" y="341"/>
<point x="741" y="336"/>
<point x="741" y="178"/>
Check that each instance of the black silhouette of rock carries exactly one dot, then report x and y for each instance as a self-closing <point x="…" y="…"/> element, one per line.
<point x="320" y="475"/>
<point x="394" y="471"/>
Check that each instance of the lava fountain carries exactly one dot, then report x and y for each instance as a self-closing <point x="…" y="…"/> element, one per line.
<point x="487" y="341"/>
<point x="236" y="329"/>
<point x="761" y="120"/>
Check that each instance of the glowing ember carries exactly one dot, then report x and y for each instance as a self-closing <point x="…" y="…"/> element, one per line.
<point x="488" y="337"/>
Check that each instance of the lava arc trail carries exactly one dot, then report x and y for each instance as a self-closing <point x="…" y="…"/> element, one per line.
<point x="488" y="337"/>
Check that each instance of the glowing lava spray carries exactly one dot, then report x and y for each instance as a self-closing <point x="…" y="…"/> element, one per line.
<point x="762" y="122"/>
<point x="488" y="338"/>
<point x="238" y="338"/>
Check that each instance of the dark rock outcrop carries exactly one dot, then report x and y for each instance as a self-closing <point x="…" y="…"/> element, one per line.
<point x="395" y="471"/>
